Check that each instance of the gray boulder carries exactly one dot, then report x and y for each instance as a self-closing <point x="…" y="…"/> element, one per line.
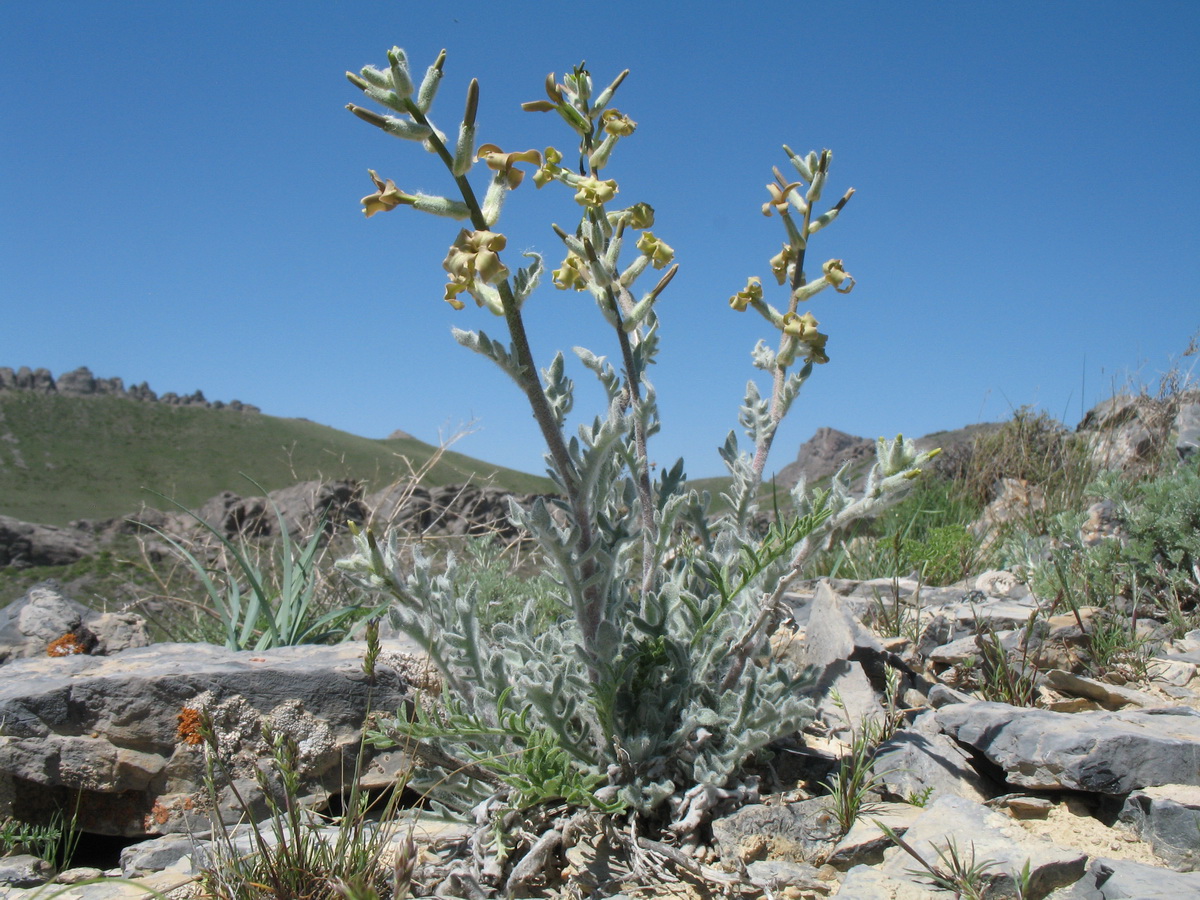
<point x="1168" y="817"/>
<point x="24" y="871"/>
<point x="123" y="729"/>
<point x="1100" y="752"/>
<point x="920" y="762"/>
<point x="46" y="622"/>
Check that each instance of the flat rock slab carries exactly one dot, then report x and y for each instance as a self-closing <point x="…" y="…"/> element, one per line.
<point x="1100" y="752"/>
<point x="1122" y="879"/>
<point x="974" y="829"/>
<point x="121" y="729"/>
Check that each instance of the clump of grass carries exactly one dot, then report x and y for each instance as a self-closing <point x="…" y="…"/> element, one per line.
<point x="854" y="788"/>
<point x="294" y="854"/>
<point x="961" y="872"/>
<point x="1004" y="676"/>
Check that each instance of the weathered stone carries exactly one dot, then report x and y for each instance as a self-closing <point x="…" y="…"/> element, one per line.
<point x="1101" y="752"/>
<point x="865" y="842"/>
<point x="122" y="729"/>
<point x="793" y="832"/>
<point x="1002" y="583"/>
<point x="46" y="622"/>
<point x="157" y="854"/>
<point x="1187" y="429"/>
<point x="921" y="762"/>
<point x="1110" y="696"/>
<point x="24" y="544"/>
<point x="866" y="883"/>
<point x="24" y="870"/>
<point x="1168" y="817"/>
<point x="1122" y="879"/>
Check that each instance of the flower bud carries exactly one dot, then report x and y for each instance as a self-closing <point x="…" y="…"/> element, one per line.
<point x="430" y="83"/>
<point x="401" y="81"/>
<point x="799" y="163"/>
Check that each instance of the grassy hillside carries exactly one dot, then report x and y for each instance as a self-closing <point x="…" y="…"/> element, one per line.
<point x="64" y="458"/>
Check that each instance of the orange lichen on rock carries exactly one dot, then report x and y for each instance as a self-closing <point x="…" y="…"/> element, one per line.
<point x="67" y="645"/>
<point x="189" y="726"/>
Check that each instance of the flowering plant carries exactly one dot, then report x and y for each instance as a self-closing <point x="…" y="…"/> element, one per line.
<point x="658" y="683"/>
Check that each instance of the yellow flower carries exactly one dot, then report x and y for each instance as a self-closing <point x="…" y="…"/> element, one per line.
<point x="386" y="197"/>
<point x="594" y="192"/>
<point x="475" y="254"/>
<point x="617" y="123"/>
<point x="659" y="252"/>
<point x="800" y="326"/>
<point x="550" y="168"/>
<point x="499" y="161"/>
<point x="752" y="291"/>
<point x="804" y="329"/>
<point x="836" y="275"/>
<point x="816" y="349"/>
<point x="640" y="215"/>
<point x="453" y="289"/>
<point x="780" y="262"/>
<point x="571" y="274"/>
<point x="778" y="199"/>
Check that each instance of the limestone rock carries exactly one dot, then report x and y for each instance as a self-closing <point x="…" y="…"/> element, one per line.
<point x="1100" y="752"/>
<point x="921" y="762"/>
<point x="1169" y="818"/>
<point x="990" y="836"/>
<point x="792" y="832"/>
<point x="24" y="871"/>
<point x="46" y="622"/>
<point x="1122" y="879"/>
<point x="123" y="729"/>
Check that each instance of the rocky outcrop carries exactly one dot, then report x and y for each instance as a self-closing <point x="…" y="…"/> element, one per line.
<point x="123" y="730"/>
<point x="82" y="383"/>
<point x="26" y="544"/>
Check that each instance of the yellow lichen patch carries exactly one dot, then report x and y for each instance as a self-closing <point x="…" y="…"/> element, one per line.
<point x="189" y="726"/>
<point x="67" y="645"/>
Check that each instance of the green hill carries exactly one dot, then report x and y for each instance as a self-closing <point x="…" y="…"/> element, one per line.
<point x="64" y="458"/>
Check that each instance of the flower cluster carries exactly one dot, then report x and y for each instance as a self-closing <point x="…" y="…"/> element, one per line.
<point x="799" y="331"/>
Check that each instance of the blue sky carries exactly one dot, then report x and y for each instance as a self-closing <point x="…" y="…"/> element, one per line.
<point x="179" y="188"/>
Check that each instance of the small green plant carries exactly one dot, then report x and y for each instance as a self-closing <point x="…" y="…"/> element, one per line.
<point x="260" y="607"/>
<point x="853" y="787"/>
<point x="54" y="841"/>
<point x="1149" y="570"/>
<point x="1007" y="677"/>
<point x="920" y="798"/>
<point x="657" y="683"/>
<point x="504" y="585"/>
<point x="947" y="554"/>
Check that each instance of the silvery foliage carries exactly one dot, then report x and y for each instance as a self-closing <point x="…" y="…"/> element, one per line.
<point x="679" y="687"/>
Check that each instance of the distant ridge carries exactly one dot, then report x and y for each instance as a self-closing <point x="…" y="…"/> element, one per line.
<point x="82" y="447"/>
<point x="82" y="383"/>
